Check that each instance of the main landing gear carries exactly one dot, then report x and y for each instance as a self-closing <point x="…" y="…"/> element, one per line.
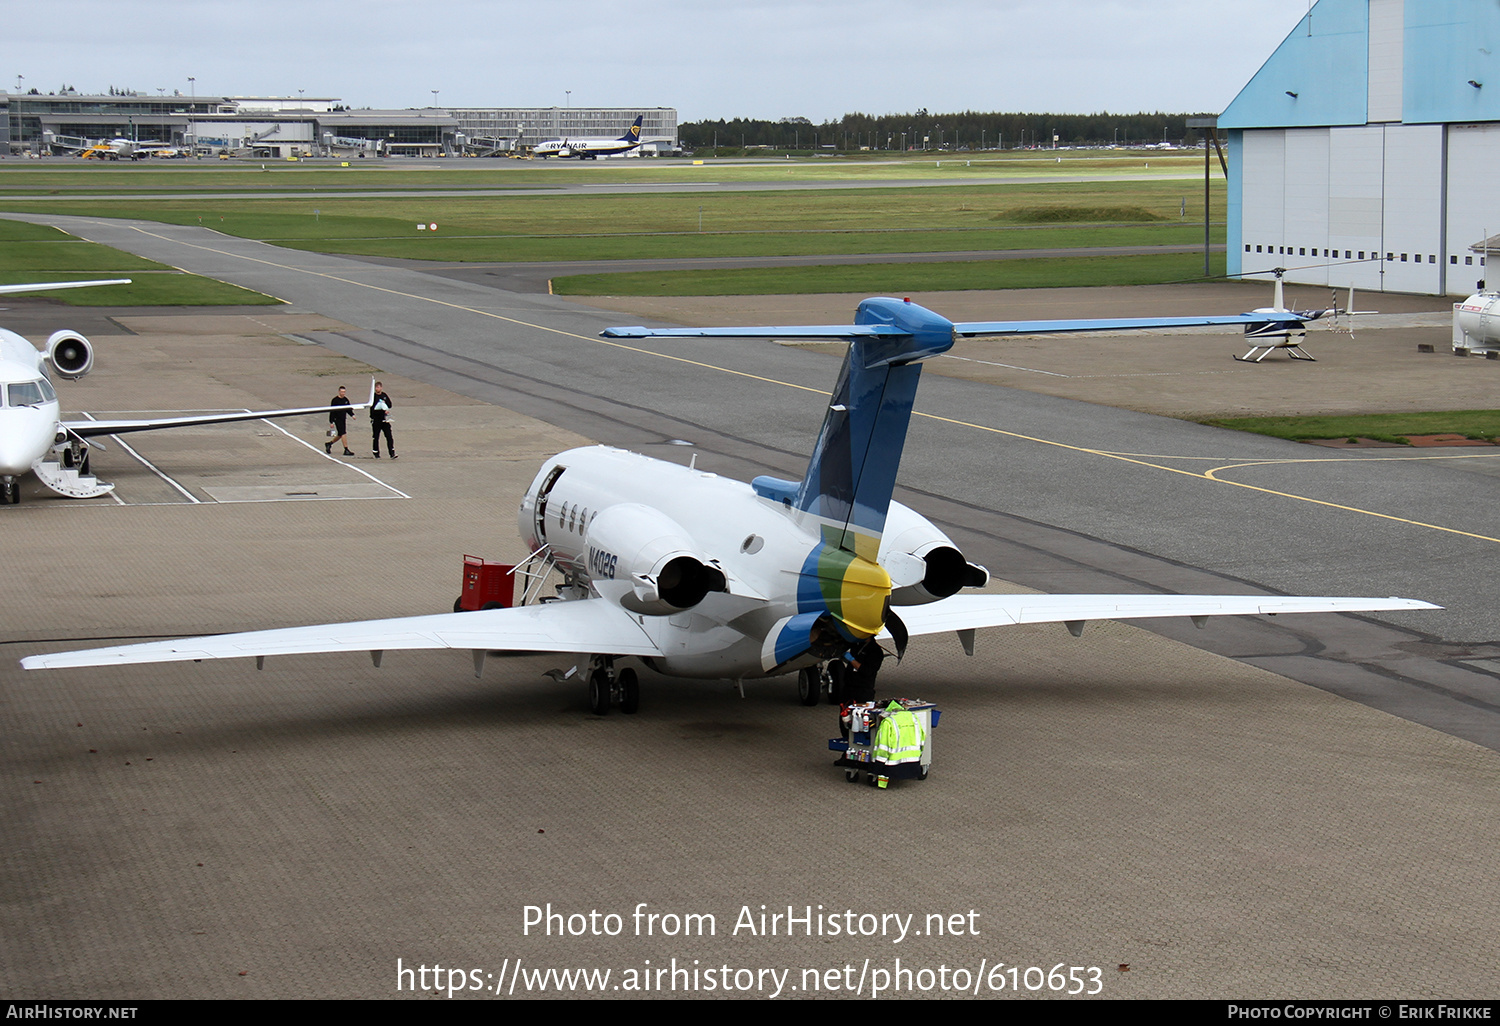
<point x="609" y="687"/>
<point x="812" y="681"/>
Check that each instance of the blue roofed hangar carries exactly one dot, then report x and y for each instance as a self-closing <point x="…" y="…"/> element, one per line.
<point x="1366" y="150"/>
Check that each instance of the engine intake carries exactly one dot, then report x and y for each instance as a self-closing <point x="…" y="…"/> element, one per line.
<point x="70" y="354"/>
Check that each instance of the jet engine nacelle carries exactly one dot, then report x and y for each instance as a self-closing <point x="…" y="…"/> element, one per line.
<point x="923" y="562"/>
<point x="70" y="354"/>
<point x="650" y="553"/>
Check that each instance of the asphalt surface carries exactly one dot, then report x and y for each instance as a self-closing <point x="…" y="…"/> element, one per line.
<point x="1128" y="801"/>
<point x="988" y="462"/>
<point x="536" y="276"/>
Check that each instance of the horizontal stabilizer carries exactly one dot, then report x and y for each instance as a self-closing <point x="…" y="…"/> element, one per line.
<point x="966" y="612"/>
<point x="771" y="331"/>
<point x="584" y="626"/>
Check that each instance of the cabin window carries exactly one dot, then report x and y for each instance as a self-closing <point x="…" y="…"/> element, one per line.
<point x="27" y="393"/>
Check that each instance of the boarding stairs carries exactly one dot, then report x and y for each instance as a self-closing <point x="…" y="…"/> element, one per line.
<point x="68" y="481"/>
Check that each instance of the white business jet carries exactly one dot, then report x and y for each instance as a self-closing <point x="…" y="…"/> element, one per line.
<point x="33" y="437"/>
<point x="701" y="576"/>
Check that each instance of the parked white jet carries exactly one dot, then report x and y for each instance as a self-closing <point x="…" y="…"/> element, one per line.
<point x="591" y="149"/>
<point x="700" y="576"/>
<point x="114" y="149"/>
<point x="30" y="428"/>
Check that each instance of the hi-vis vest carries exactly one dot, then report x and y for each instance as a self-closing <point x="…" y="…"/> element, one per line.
<point x="899" y="738"/>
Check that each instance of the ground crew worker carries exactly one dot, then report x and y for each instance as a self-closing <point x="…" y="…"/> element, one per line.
<point x="899" y="739"/>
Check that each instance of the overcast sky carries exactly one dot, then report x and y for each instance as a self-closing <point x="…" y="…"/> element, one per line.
<point x="748" y="58"/>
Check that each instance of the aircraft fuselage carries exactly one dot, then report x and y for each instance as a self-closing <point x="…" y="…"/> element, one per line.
<point x="615" y="520"/>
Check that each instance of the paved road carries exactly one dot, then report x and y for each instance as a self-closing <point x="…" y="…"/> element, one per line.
<point x="1050" y="493"/>
<point x="535" y="276"/>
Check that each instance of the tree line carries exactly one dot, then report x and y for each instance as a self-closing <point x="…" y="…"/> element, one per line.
<point x="923" y="131"/>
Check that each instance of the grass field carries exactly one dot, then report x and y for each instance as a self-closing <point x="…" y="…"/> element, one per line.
<point x="1022" y="201"/>
<point x="36" y="253"/>
<point x="682" y="225"/>
<point x="894" y="279"/>
<point x="401" y="174"/>
<point x="1381" y="427"/>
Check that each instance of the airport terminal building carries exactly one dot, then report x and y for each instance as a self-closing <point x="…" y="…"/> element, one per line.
<point x="1364" y="152"/>
<point x="280" y="127"/>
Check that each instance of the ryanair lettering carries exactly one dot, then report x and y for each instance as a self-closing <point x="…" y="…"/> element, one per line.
<point x="602" y="564"/>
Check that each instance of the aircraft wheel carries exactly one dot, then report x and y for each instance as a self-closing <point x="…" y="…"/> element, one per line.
<point x="835" y="671"/>
<point x="808" y="685"/>
<point x="630" y="691"/>
<point x="10" y="491"/>
<point x="599" y="693"/>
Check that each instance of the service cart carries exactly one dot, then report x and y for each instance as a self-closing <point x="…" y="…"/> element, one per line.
<point x="857" y="751"/>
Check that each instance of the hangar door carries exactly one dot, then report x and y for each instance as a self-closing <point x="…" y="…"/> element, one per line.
<point x="1359" y="206"/>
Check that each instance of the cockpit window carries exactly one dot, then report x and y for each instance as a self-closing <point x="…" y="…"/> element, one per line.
<point x="29" y="393"/>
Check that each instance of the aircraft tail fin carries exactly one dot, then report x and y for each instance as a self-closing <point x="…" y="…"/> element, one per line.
<point x="849" y="480"/>
<point x="852" y="472"/>
<point x="633" y="133"/>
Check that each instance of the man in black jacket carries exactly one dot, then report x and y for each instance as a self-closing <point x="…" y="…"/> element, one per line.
<point x="380" y="422"/>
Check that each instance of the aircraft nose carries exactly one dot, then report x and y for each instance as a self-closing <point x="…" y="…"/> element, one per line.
<point x="25" y="435"/>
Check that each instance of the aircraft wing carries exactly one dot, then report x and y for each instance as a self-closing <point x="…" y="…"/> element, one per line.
<point x="782" y="331"/>
<point x="582" y="626"/>
<point x="967" y="612"/>
<point x="970" y="329"/>
<point x="6" y="290"/>
<point x="95" y="428"/>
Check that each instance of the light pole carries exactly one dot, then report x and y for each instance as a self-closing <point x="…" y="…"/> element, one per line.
<point x="434" y="97"/>
<point x="192" y="87"/>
